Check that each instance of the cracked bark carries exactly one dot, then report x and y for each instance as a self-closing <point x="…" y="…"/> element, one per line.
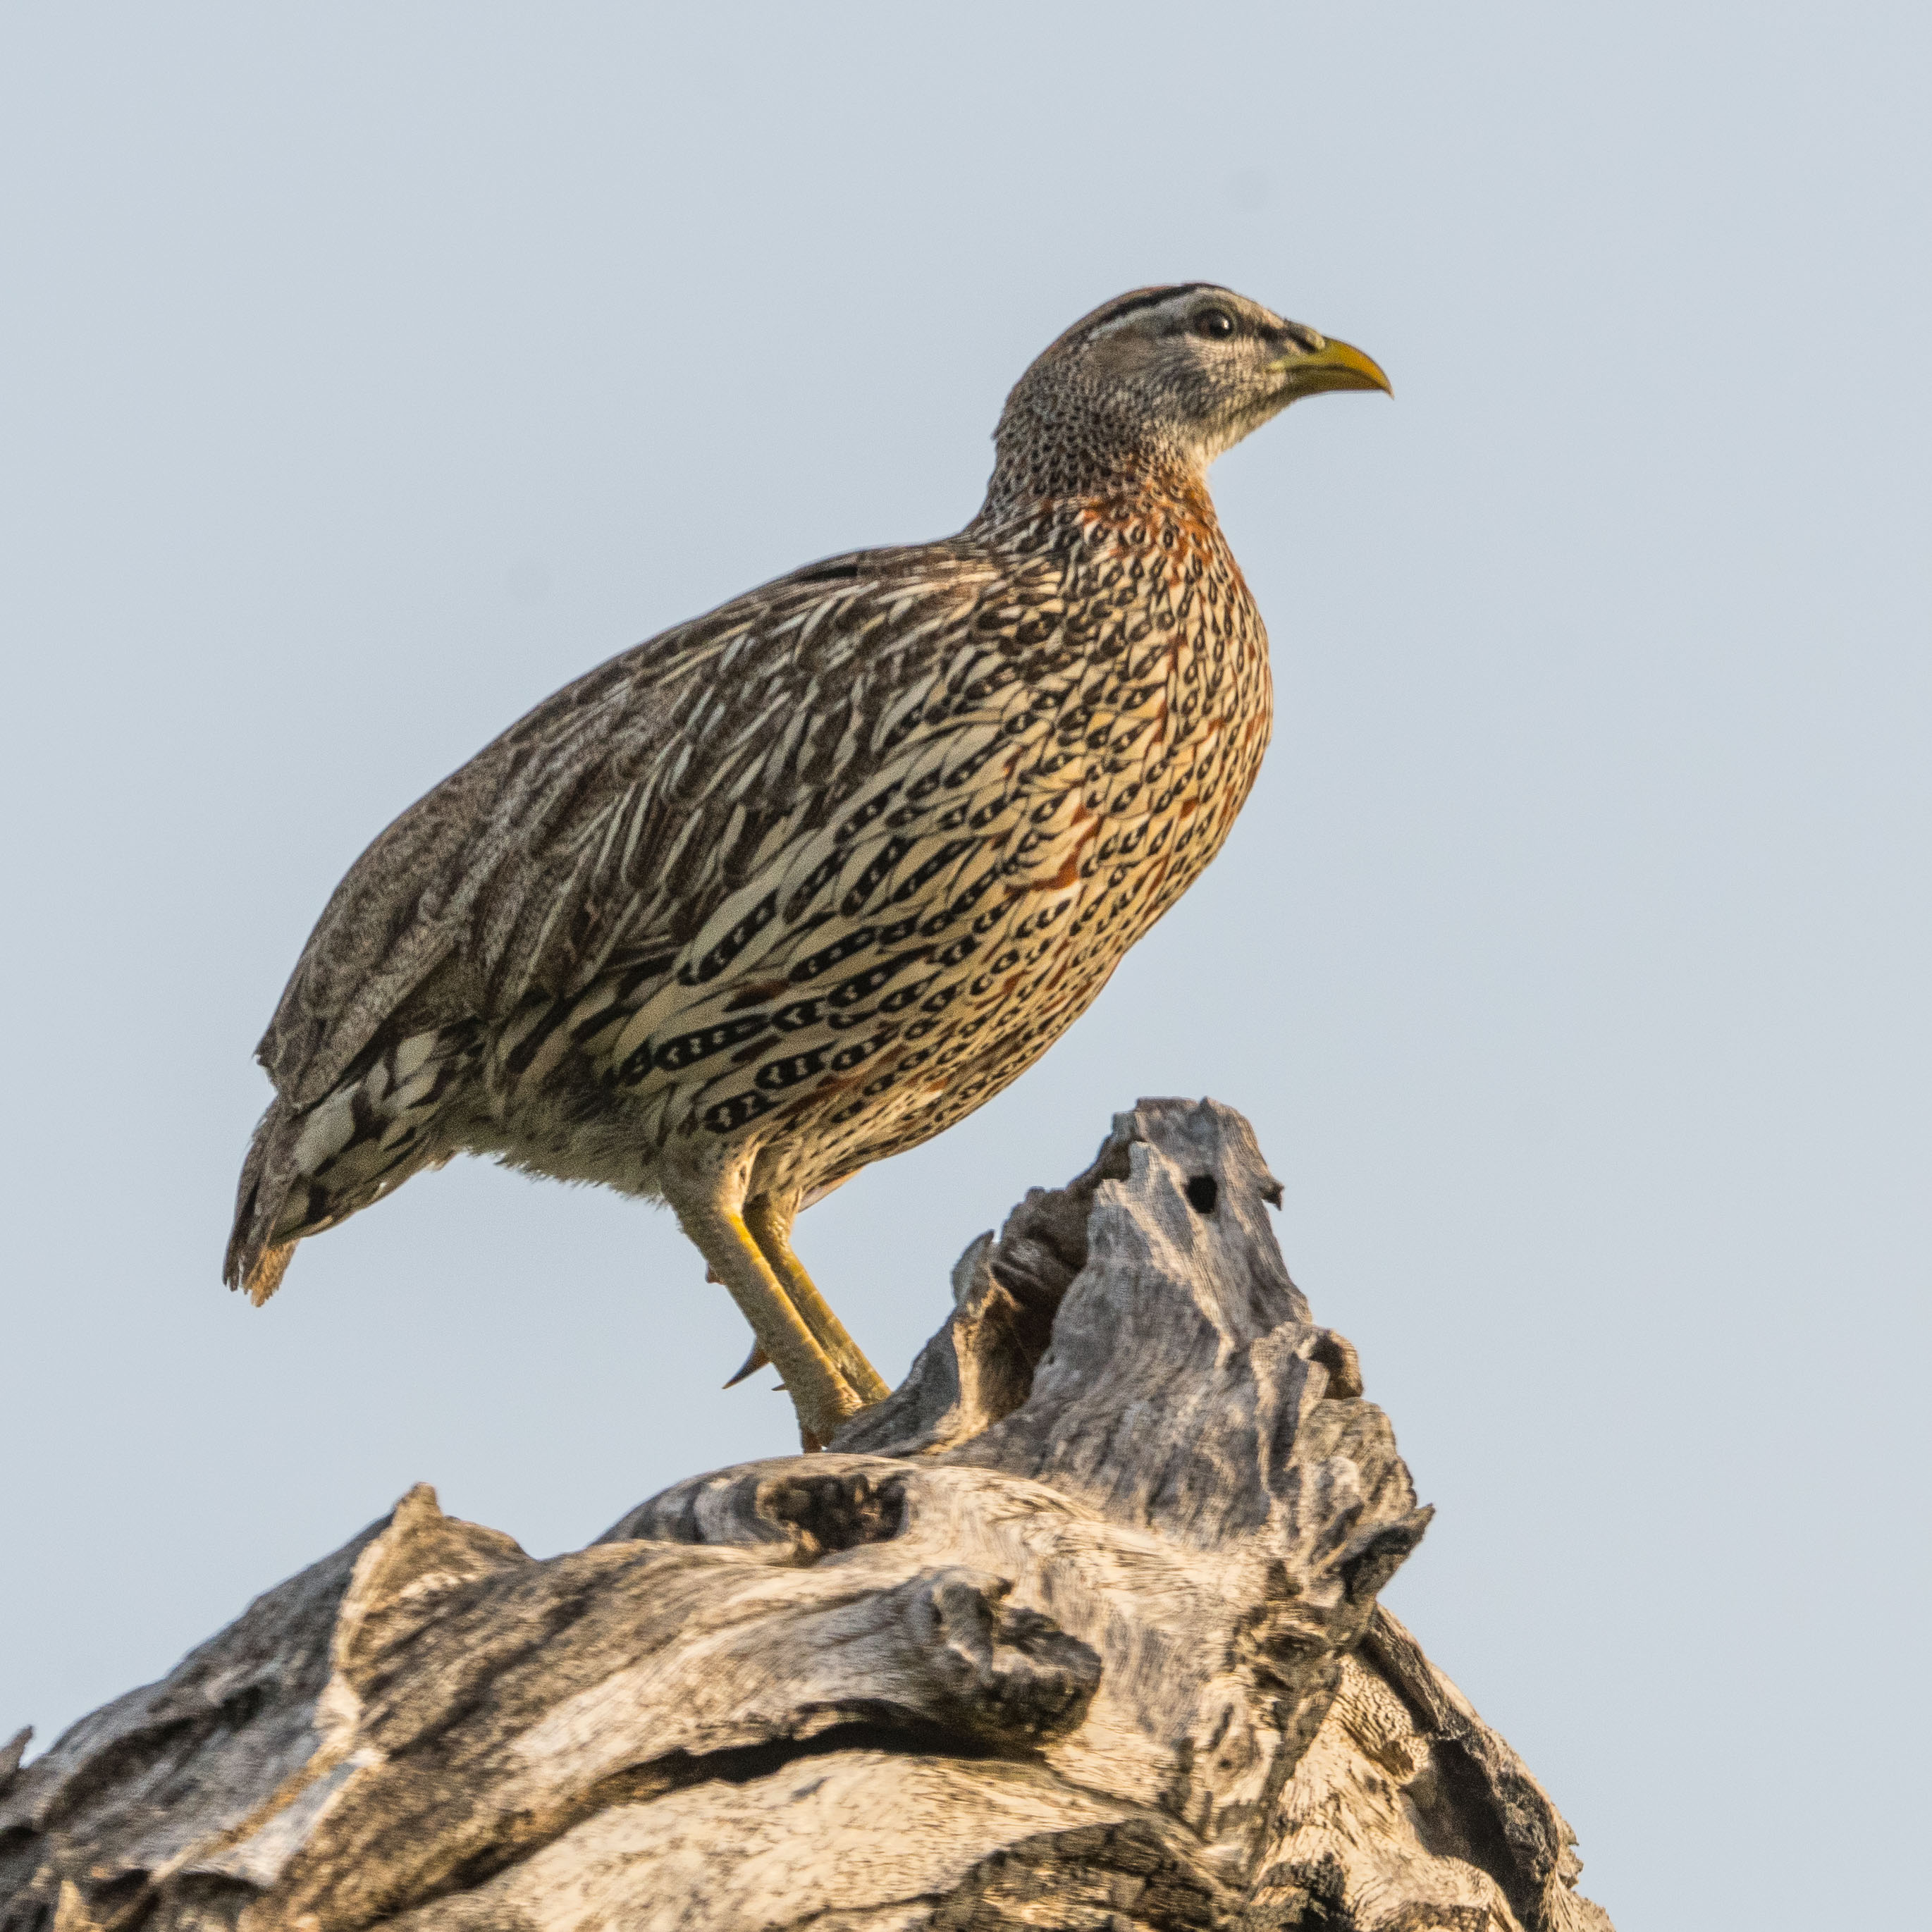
<point x="1077" y="1629"/>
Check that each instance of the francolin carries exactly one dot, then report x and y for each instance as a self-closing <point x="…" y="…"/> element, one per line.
<point x="800" y="884"/>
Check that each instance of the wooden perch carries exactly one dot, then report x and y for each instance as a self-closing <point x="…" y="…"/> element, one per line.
<point x="1077" y="1629"/>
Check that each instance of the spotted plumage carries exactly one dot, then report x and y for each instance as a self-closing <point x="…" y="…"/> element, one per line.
<point x="797" y="885"/>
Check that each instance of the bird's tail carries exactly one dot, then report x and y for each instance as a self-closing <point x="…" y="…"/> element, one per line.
<point x="256" y="1261"/>
<point x="309" y="1168"/>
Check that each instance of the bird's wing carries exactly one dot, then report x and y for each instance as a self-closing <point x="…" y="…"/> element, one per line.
<point x="614" y="819"/>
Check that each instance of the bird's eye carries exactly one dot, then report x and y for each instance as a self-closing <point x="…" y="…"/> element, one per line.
<point x="1215" y="323"/>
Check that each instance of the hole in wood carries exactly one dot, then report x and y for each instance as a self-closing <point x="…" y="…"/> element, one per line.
<point x="826" y="1513"/>
<point x="1203" y="1191"/>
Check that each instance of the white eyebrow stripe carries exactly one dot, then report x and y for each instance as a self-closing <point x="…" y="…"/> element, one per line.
<point x="1141" y="314"/>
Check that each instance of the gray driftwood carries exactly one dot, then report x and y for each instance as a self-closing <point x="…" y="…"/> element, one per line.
<point x="1077" y="1629"/>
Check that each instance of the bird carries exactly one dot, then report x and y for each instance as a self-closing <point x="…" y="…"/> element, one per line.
<point x="800" y="884"/>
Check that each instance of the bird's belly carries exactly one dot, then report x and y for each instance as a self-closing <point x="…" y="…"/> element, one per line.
<point x="558" y="1131"/>
<point x="1044" y="965"/>
<point x="872" y="1035"/>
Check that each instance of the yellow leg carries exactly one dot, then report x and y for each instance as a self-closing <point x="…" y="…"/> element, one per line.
<point x="771" y="1228"/>
<point x="716" y="1229"/>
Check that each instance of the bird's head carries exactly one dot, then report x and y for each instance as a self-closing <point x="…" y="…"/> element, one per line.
<point x="1163" y="379"/>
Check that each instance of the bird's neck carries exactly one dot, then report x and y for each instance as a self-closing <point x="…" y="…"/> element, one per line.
<point x="1046" y="457"/>
<point x="1126" y="493"/>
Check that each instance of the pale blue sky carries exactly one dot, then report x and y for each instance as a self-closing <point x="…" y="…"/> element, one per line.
<point x="367" y="371"/>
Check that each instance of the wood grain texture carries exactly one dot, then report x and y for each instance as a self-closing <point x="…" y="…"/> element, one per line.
<point x="1077" y="1629"/>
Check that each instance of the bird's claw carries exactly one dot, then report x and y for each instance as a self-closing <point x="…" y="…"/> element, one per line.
<point x="753" y="1363"/>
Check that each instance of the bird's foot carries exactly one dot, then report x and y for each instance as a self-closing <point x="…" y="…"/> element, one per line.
<point x="757" y="1359"/>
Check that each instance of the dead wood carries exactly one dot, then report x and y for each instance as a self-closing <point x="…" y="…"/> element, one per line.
<point x="1077" y="1629"/>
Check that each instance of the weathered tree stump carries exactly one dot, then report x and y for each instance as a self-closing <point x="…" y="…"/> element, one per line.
<point x="1077" y="1629"/>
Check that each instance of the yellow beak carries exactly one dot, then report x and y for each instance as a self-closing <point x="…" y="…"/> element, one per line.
<point x="1335" y="365"/>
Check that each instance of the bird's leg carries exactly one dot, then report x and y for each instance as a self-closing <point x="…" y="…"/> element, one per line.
<point x="770" y="1225"/>
<point x="712" y="1220"/>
